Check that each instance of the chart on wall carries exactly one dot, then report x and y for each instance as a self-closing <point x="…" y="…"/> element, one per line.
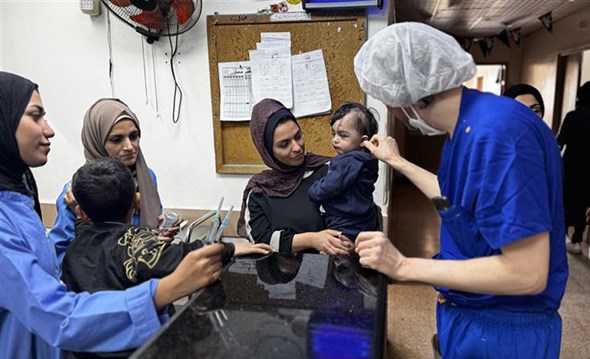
<point x="321" y="52"/>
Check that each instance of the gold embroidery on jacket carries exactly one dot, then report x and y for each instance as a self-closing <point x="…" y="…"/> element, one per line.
<point x="143" y="247"/>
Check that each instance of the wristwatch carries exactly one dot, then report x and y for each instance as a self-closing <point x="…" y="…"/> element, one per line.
<point x="441" y="203"/>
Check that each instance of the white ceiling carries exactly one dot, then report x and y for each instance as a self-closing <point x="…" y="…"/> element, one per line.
<point x="478" y="18"/>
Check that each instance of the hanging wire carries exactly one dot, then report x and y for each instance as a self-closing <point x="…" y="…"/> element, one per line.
<point x="145" y="84"/>
<point x="177" y="89"/>
<point x="110" y="46"/>
<point x="155" y="83"/>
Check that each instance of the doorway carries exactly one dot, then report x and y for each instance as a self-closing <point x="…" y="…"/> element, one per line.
<point x="573" y="70"/>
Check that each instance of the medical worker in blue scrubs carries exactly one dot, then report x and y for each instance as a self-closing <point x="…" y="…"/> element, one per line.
<point x="38" y="317"/>
<point x="502" y="270"/>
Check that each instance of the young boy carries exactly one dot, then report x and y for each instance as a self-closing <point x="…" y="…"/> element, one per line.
<point x="346" y="192"/>
<point x="109" y="253"/>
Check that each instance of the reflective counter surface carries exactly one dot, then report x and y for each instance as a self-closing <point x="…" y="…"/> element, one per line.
<point x="280" y="306"/>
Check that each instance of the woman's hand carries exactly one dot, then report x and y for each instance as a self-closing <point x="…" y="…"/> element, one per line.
<point x="243" y="248"/>
<point x="384" y="149"/>
<point x="332" y="242"/>
<point x="70" y="200"/>
<point x="377" y="252"/>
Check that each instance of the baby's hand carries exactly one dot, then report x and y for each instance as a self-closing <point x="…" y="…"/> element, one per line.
<point x="347" y="243"/>
<point x="243" y="248"/>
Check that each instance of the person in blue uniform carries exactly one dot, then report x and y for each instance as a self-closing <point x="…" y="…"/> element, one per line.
<point x="502" y="269"/>
<point x="346" y="191"/>
<point x="111" y="129"/>
<point x="276" y="208"/>
<point x="38" y="317"/>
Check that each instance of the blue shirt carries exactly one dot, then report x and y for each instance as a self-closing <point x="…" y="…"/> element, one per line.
<point x="63" y="230"/>
<point x="502" y="172"/>
<point x="346" y="193"/>
<point x="37" y="315"/>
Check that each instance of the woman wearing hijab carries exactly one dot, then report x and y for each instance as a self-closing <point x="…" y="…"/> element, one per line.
<point x="276" y="208"/>
<point x="111" y="129"/>
<point x="528" y="96"/>
<point x="575" y="136"/>
<point x="38" y="317"/>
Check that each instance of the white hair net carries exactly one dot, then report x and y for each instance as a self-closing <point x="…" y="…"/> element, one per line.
<point x="408" y="61"/>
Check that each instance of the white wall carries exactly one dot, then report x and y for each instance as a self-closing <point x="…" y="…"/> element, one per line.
<point x="585" y="75"/>
<point x="541" y="51"/>
<point x="66" y="53"/>
<point x="489" y="75"/>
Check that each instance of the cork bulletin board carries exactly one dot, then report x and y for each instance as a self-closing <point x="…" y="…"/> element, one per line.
<point x="339" y="35"/>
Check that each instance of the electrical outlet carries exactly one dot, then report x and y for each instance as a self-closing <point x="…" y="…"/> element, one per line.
<point x="90" y="7"/>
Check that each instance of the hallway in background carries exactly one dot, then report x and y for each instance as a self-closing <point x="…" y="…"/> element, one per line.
<point x="411" y="321"/>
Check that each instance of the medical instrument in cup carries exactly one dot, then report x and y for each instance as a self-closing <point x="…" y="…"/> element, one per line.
<point x="169" y="219"/>
<point x="223" y="225"/>
<point x="214" y="226"/>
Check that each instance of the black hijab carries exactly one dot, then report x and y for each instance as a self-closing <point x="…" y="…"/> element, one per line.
<point x="524" y="89"/>
<point x="15" y="175"/>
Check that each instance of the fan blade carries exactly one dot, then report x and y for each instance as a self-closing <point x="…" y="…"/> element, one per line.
<point x="152" y="19"/>
<point x="121" y="3"/>
<point x="184" y="9"/>
<point x="147" y="5"/>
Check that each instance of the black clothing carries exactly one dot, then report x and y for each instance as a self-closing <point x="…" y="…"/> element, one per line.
<point x="275" y="220"/>
<point x="116" y="256"/>
<point x="575" y="135"/>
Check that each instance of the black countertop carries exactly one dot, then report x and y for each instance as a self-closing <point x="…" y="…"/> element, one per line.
<point x="280" y="306"/>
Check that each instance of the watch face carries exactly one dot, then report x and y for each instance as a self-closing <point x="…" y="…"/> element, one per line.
<point x="441" y="203"/>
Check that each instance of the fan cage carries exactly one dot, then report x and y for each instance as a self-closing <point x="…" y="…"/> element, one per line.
<point x="171" y="29"/>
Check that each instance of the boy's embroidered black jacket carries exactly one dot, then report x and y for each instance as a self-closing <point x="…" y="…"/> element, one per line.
<point x="113" y="256"/>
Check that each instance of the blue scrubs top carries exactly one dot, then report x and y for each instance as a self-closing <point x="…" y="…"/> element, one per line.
<point x="503" y="175"/>
<point x="38" y="316"/>
<point x="63" y="230"/>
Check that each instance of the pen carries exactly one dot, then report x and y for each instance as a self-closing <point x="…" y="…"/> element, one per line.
<point x="223" y="225"/>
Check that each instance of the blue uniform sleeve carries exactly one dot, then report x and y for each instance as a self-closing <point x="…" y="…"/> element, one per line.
<point x="515" y="204"/>
<point x="63" y="230"/>
<point x="343" y="173"/>
<point x="102" y="322"/>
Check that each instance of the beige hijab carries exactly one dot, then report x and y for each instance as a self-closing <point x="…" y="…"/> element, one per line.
<point x="98" y="122"/>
